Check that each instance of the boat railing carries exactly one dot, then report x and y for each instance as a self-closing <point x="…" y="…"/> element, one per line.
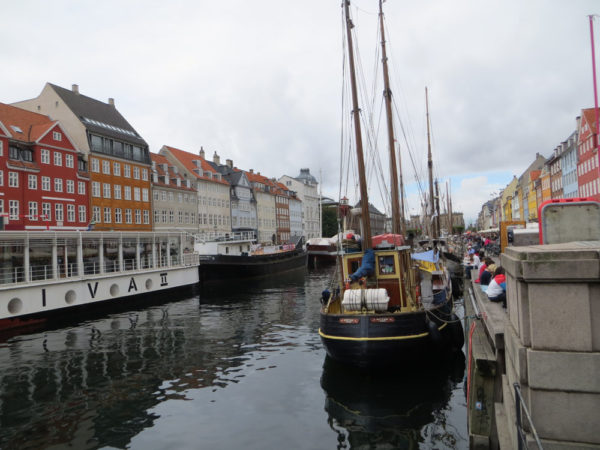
<point x="27" y="257"/>
<point x="222" y="236"/>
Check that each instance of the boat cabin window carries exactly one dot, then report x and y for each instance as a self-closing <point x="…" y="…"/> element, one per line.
<point x="353" y="265"/>
<point x="386" y="265"/>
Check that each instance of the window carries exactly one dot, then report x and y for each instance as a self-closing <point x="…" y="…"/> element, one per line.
<point x="146" y="217"/>
<point x="57" y="158"/>
<point x="138" y="216"/>
<point x="136" y="194"/>
<point x="136" y="173"/>
<point x="13" y="179"/>
<point x="69" y="161"/>
<point x="171" y="197"/>
<point x="118" y="215"/>
<point x="106" y="190"/>
<point x="70" y="187"/>
<point x="156" y="195"/>
<point x="171" y="217"/>
<point x="128" y="215"/>
<point x="117" y="189"/>
<point x="95" y="189"/>
<point x="145" y="195"/>
<point x="164" y="196"/>
<point x="33" y="211"/>
<point x="95" y="164"/>
<point x="70" y="213"/>
<point x="1" y="148"/>
<point x="156" y="216"/>
<point x="82" y="213"/>
<point x="1" y="178"/>
<point x="13" y="209"/>
<point x="58" y="186"/>
<point x="96" y="214"/>
<point x="126" y="170"/>
<point x="180" y="216"/>
<point x="106" y="167"/>
<point x="180" y="197"/>
<point x="81" y="187"/>
<point x="145" y="174"/>
<point x="59" y="212"/>
<point x="57" y="136"/>
<point x="32" y="181"/>
<point x="107" y="217"/>
<point x="117" y="169"/>
<point x="127" y="192"/>
<point x="13" y="152"/>
<point x="164" y="216"/>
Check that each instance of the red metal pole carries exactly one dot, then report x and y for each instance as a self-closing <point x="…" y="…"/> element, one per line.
<point x="591" y="17"/>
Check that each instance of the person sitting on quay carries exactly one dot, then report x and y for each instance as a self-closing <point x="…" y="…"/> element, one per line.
<point x="487" y="275"/>
<point x="486" y="263"/>
<point x="496" y="291"/>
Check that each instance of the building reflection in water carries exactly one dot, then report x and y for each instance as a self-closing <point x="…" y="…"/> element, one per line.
<point x="96" y="384"/>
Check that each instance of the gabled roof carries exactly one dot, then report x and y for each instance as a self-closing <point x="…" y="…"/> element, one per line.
<point x="24" y="125"/>
<point x="98" y="116"/>
<point x="159" y="160"/>
<point x="590" y="118"/>
<point x="187" y="160"/>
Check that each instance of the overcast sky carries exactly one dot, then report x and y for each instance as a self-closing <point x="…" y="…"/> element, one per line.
<point x="260" y="81"/>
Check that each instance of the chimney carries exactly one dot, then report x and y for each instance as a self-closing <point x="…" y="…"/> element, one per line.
<point x="251" y="170"/>
<point x="229" y="163"/>
<point x="75" y="88"/>
<point x="216" y="159"/>
<point x="202" y="153"/>
<point x="111" y="102"/>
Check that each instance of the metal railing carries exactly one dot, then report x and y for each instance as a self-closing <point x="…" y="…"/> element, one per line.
<point x="521" y="435"/>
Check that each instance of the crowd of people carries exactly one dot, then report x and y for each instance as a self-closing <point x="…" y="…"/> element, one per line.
<point x="491" y="277"/>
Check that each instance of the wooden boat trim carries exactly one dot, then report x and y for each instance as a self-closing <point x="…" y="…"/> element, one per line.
<point x="383" y="338"/>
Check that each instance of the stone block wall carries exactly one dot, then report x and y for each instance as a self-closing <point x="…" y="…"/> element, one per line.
<point x="552" y="340"/>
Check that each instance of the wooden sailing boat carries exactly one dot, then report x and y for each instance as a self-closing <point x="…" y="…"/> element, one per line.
<point x="377" y="315"/>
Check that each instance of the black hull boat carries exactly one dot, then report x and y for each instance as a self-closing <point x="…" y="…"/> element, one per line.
<point x="224" y="268"/>
<point x="386" y="305"/>
<point x="392" y="339"/>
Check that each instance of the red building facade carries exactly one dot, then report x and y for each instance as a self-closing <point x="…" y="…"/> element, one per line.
<point x="588" y="178"/>
<point x="44" y="183"/>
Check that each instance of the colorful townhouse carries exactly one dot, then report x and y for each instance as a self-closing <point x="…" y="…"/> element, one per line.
<point x="244" y="216"/>
<point x="306" y="187"/>
<point x="212" y="189"/>
<point x="264" y="192"/>
<point x="588" y="178"/>
<point x="174" y="200"/>
<point x="117" y="156"/>
<point x="43" y="178"/>
<point x="282" y="213"/>
<point x="569" y="166"/>
<point x="555" y="164"/>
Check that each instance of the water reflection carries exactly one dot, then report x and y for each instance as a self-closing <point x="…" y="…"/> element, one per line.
<point x="391" y="410"/>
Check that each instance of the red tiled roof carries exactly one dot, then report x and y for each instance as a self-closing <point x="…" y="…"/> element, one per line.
<point x="32" y="125"/>
<point x="187" y="159"/>
<point x="534" y="174"/>
<point x="590" y="118"/>
<point x="160" y="160"/>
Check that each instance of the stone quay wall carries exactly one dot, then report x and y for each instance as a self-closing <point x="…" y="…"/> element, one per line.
<point x="552" y="342"/>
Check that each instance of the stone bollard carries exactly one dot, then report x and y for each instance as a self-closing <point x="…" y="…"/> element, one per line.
<point x="552" y="341"/>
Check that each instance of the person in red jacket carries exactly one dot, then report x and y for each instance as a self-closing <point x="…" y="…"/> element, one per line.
<point x="496" y="291"/>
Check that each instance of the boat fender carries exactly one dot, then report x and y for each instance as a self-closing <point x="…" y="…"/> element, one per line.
<point x="325" y="295"/>
<point x="458" y="338"/>
<point x="434" y="333"/>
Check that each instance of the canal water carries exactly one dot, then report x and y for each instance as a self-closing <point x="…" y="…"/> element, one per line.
<point x="240" y="367"/>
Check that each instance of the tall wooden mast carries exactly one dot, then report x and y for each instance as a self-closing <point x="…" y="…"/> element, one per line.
<point x="430" y="170"/>
<point x="362" y="177"/>
<point x="397" y="211"/>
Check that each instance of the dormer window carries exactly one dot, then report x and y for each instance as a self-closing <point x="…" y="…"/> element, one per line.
<point x="57" y="136"/>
